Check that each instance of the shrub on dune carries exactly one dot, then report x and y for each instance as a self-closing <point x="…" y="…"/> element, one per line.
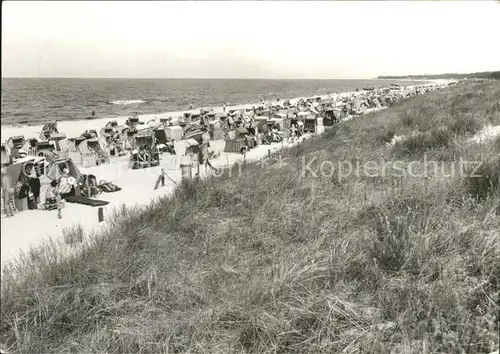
<point x="486" y="180"/>
<point x="421" y="142"/>
<point x="465" y="124"/>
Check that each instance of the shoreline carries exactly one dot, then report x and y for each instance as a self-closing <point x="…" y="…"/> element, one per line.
<point x="137" y="188"/>
<point x="68" y="127"/>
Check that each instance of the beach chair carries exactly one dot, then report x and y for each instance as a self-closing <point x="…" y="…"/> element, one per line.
<point x="234" y="145"/>
<point x="140" y="164"/>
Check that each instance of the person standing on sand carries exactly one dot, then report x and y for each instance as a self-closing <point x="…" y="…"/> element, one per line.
<point x="300" y="128"/>
<point x="8" y="194"/>
<point x="224" y="108"/>
<point x="161" y="179"/>
<point x="52" y="196"/>
<point x="203" y="158"/>
<point x="93" y="114"/>
<point x="208" y="164"/>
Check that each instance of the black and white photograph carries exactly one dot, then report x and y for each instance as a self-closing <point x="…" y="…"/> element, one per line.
<point x="268" y="177"/>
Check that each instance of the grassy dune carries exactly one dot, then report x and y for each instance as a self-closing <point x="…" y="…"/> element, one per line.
<point x="272" y="261"/>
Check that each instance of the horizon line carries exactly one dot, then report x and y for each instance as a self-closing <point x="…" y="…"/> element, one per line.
<point x="378" y="77"/>
<point x="179" y="78"/>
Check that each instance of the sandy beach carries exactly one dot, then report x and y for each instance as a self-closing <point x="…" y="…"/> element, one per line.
<point x="33" y="227"/>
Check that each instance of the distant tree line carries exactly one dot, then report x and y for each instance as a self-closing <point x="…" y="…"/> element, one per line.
<point x="482" y="75"/>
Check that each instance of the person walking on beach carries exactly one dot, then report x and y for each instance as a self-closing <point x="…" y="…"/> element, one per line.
<point x="224" y="108"/>
<point x="93" y="114"/>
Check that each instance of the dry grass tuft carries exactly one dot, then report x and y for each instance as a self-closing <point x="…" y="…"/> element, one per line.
<point x="73" y="234"/>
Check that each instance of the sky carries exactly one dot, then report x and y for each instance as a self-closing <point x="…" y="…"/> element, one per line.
<point x="248" y="39"/>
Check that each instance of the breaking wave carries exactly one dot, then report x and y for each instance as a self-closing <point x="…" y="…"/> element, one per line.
<point x="125" y="102"/>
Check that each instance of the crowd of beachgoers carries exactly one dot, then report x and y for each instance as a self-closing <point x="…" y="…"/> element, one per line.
<point x="57" y="168"/>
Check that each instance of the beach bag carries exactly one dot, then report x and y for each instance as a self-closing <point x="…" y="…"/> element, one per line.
<point x="51" y="200"/>
<point x="50" y="207"/>
<point x="108" y="187"/>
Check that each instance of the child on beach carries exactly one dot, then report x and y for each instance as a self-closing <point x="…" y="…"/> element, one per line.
<point x="161" y="179"/>
<point x="171" y="146"/>
<point x="53" y="199"/>
<point x="300" y="128"/>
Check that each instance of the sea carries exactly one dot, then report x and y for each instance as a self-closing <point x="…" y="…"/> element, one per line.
<point x="36" y="101"/>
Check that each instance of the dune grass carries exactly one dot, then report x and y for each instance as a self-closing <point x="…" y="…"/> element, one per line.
<point x="73" y="235"/>
<point x="435" y="121"/>
<point x="275" y="261"/>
